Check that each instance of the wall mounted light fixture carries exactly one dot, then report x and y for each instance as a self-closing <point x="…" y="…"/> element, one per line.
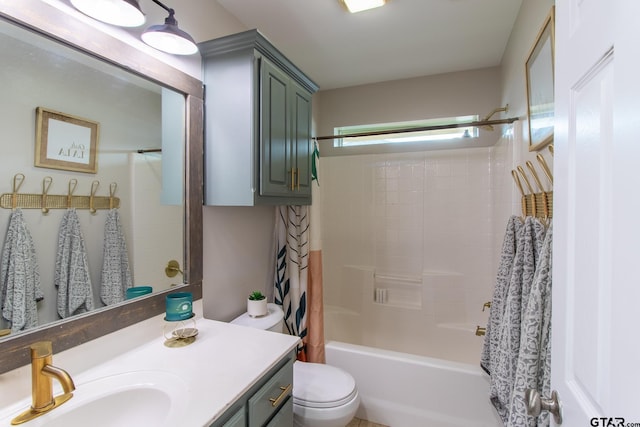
<point x="168" y="37"/>
<point x="127" y="13"/>
<point x="123" y="13"/>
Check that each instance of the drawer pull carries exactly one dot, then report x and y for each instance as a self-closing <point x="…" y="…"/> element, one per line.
<point x="285" y="391"/>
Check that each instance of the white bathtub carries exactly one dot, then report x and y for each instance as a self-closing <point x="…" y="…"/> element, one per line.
<point x="404" y="390"/>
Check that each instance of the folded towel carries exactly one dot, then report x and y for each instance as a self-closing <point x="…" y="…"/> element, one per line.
<point x="19" y="276"/>
<point x="72" y="276"/>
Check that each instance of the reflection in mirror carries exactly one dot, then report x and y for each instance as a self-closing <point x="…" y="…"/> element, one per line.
<point x="133" y="114"/>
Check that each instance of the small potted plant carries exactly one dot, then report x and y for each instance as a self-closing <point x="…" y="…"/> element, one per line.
<point x="257" y="304"/>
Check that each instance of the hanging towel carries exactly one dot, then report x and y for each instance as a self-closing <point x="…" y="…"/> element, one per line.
<point x="20" y="276"/>
<point x="491" y="338"/>
<point x="505" y="359"/>
<point x="534" y="360"/>
<point x="72" y="276"/>
<point x="291" y="274"/>
<point x="116" y="275"/>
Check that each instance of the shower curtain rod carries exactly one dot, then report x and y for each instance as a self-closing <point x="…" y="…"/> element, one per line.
<point x="480" y="123"/>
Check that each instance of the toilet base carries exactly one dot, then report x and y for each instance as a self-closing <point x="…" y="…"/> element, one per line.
<point x="325" y="417"/>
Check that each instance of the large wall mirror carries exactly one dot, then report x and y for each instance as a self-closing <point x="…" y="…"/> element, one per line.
<point x="60" y="64"/>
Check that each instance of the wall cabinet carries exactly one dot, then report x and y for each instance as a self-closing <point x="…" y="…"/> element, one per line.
<point x="257" y="124"/>
<point x="268" y="403"/>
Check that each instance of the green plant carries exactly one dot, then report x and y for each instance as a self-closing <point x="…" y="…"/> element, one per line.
<point x="256" y="296"/>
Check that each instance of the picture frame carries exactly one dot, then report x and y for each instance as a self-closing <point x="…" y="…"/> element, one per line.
<point x="66" y="142"/>
<point x="540" y="85"/>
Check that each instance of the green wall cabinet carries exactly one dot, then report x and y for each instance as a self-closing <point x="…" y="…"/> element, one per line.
<point x="257" y="124"/>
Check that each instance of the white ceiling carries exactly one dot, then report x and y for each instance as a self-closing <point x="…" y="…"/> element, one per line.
<point x="405" y="38"/>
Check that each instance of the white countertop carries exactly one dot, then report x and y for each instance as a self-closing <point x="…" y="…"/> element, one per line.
<point x="220" y="366"/>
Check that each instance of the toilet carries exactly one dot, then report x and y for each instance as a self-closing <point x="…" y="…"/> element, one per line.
<point x="323" y="395"/>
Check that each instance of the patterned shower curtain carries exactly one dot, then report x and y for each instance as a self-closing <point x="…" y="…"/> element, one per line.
<point x="291" y="273"/>
<point x="298" y="272"/>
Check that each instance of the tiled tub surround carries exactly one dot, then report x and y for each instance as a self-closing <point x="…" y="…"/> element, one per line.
<point x="409" y="248"/>
<point x="222" y="364"/>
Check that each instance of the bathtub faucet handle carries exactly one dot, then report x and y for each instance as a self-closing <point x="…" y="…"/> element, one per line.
<point x="480" y="331"/>
<point x="486" y="305"/>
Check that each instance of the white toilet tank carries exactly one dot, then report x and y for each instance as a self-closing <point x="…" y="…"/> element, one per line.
<point x="272" y="321"/>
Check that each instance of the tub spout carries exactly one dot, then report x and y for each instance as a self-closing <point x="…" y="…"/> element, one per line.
<point x="42" y="371"/>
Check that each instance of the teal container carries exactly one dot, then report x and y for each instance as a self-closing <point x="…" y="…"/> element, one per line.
<point x="179" y="306"/>
<point x="137" y="291"/>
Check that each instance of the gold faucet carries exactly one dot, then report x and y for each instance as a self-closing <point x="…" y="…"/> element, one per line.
<point x="42" y="371"/>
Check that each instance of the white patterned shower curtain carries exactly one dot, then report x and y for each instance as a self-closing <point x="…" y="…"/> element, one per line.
<point x="292" y="257"/>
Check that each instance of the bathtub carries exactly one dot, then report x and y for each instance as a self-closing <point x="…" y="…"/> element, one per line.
<point x="405" y="390"/>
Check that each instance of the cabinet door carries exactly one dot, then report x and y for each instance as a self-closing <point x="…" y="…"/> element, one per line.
<point x="284" y="417"/>
<point x="301" y="139"/>
<point x="276" y="166"/>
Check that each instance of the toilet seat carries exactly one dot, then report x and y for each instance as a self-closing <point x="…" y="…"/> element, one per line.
<point x="316" y="385"/>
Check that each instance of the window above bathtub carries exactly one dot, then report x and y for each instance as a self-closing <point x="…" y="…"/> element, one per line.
<point x="401" y="136"/>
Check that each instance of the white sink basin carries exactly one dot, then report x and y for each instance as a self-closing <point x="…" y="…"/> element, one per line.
<point x="142" y="398"/>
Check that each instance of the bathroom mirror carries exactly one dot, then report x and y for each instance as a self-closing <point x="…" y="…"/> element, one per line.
<point x="154" y="82"/>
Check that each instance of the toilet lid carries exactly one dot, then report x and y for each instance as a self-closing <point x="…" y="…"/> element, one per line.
<point x="321" y="386"/>
<point x="273" y="316"/>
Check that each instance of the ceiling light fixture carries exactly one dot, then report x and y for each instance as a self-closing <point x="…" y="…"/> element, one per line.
<point x="354" y="6"/>
<point x="123" y="13"/>
<point x="168" y="37"/>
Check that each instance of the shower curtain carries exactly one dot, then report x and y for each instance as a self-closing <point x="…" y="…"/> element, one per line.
<point x="315" y="338"/>
<point x="291" y="274"/>
<point x="516" y="346"/>
<point x="298" y="272"/>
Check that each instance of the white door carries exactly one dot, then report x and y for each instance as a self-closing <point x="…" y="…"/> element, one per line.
<point x="596" y="294"/>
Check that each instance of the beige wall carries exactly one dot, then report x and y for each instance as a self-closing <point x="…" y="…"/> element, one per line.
<point x="443" y="95"/>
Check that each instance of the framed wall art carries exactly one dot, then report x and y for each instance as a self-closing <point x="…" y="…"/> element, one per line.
<point x="66" y="142"/>
<point x="540" y="82"/>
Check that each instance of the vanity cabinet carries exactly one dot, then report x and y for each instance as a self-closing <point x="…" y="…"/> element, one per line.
<point x="269" y="403"/>
<point x="257" y="124"/>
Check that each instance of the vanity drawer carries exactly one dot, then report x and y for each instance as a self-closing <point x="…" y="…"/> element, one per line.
<point x="271" y="396"/>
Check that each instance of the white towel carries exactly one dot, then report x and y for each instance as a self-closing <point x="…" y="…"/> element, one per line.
<point x="116" y="275"/>
<point x="20" y="277"/>
<point x="534" y="359"/>
<point x="72" y="276"/>
<point x="503" y="366"/>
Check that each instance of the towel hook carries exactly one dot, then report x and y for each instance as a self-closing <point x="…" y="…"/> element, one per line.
<point x="545" y="168"/>
<point x="530" y="188"/>
<point x="94" y="189"/>
<point x="18" y="179"/>
<point x="112" y="192"/>
<point x="73" y="183"/>
<point x="516" y="178"/>
<point x="534" y="173"/>
<point x="46" y="183"/>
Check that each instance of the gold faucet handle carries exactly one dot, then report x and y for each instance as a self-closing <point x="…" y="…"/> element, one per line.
<point x="41" y="349"/>
<point x="486" y="305"/>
